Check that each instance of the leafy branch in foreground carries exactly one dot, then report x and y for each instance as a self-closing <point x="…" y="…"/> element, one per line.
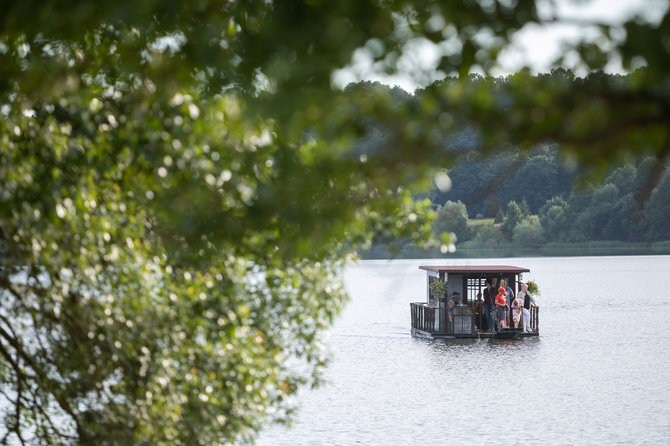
<point x="181" y="186"/>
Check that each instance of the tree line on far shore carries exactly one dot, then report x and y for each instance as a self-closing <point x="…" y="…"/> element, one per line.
<point x="531" y="200"/>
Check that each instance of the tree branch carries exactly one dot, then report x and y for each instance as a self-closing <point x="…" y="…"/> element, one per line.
<point x="19" y="383"/>
<point x="62" y="401"/>
<point x="19" y="393"/>
<point x="36" y="405"/>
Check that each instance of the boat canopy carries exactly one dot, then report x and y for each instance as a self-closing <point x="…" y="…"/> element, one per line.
<point x="469" y="280"/>
<point x="474" y="269"/>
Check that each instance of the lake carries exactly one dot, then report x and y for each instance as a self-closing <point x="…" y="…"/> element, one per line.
<point x="598" y="374"/>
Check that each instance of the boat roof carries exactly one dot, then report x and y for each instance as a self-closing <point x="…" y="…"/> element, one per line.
<point x="474" y="269"/>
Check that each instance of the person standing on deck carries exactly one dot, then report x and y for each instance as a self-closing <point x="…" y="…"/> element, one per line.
<point x="454" y="302"/>
<point x="479" y="313"/>
<point x="501" y="307"/>
<point x="528" y="302"/>
<point x="516" y="312"/>
<point x="509" y="297"/>
<point x="489" y="304"/>
<point x="508" y="290"/>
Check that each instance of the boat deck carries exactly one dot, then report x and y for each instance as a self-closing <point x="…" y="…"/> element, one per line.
<point x="503" y="334"/>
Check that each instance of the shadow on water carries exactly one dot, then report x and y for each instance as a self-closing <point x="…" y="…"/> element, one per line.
<point x="476" y="342"/>
<point x="478" y="350"/>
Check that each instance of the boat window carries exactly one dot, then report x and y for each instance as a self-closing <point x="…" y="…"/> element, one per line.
<point x="473" y="286"/>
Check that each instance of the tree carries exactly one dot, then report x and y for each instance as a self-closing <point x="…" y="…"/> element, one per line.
<point x="528" y="232"/>
<point x="511" y="218"/>
<point x="467" y="177"/>
<point x="452" y="217"/>
<point x="656" y="213"/>
<point x="541" y="178"/>
<point x="482" y="183"/>
<point x="180" y="186"/>
<point x="553" y="218"/>
<point x="624" y="222"/>
<point x="595" y="217"/>
<point x="623" y="178"/>
<point x="487" y="233"/>
<point x="169" y="256"/>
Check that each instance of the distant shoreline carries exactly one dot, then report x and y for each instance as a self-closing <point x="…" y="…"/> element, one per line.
<point x="594" y="248"/>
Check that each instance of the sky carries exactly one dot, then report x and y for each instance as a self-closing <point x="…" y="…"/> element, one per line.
<point x="533" y="46"/>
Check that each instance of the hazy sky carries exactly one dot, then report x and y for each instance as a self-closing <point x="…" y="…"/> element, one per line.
<point x="533" y="46"/>
<point x="540" y="45"/>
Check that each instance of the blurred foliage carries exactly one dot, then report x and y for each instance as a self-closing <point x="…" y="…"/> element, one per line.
<point x="180" y="187"/>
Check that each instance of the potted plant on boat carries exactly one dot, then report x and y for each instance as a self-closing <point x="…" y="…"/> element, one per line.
<point x="533" y="288"/>
<point x="438" y="290"/>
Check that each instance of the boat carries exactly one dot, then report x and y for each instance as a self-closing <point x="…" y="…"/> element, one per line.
<point x="436" y="319"/>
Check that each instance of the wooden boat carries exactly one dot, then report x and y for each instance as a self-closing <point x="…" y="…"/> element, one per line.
<point x="436" y="319"/>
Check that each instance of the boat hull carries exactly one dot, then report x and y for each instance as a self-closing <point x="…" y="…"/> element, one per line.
<point x="421" y="334"/>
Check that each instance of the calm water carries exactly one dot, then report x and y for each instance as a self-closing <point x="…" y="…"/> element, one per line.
<point x="598" y="374"/>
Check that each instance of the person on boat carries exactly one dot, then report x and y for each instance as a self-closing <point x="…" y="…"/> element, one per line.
<point x="455" y="300"/>
<point x="509" y="297"/>
<point x="452" y="302"/>
<point x="528" y="302"/>
<point x="479" y="312"/>
<point x="516" y="312"/>
<point x="489" y="304"/>
<point x="501" y="307"/>
<point x="508" y="290"/>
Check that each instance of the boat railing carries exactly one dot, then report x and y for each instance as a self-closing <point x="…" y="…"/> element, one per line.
<point x="456" y="320"/>
<point x="534" y="319"/>
<point x="424" y="317"/>
<point x="442" y="320"/>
